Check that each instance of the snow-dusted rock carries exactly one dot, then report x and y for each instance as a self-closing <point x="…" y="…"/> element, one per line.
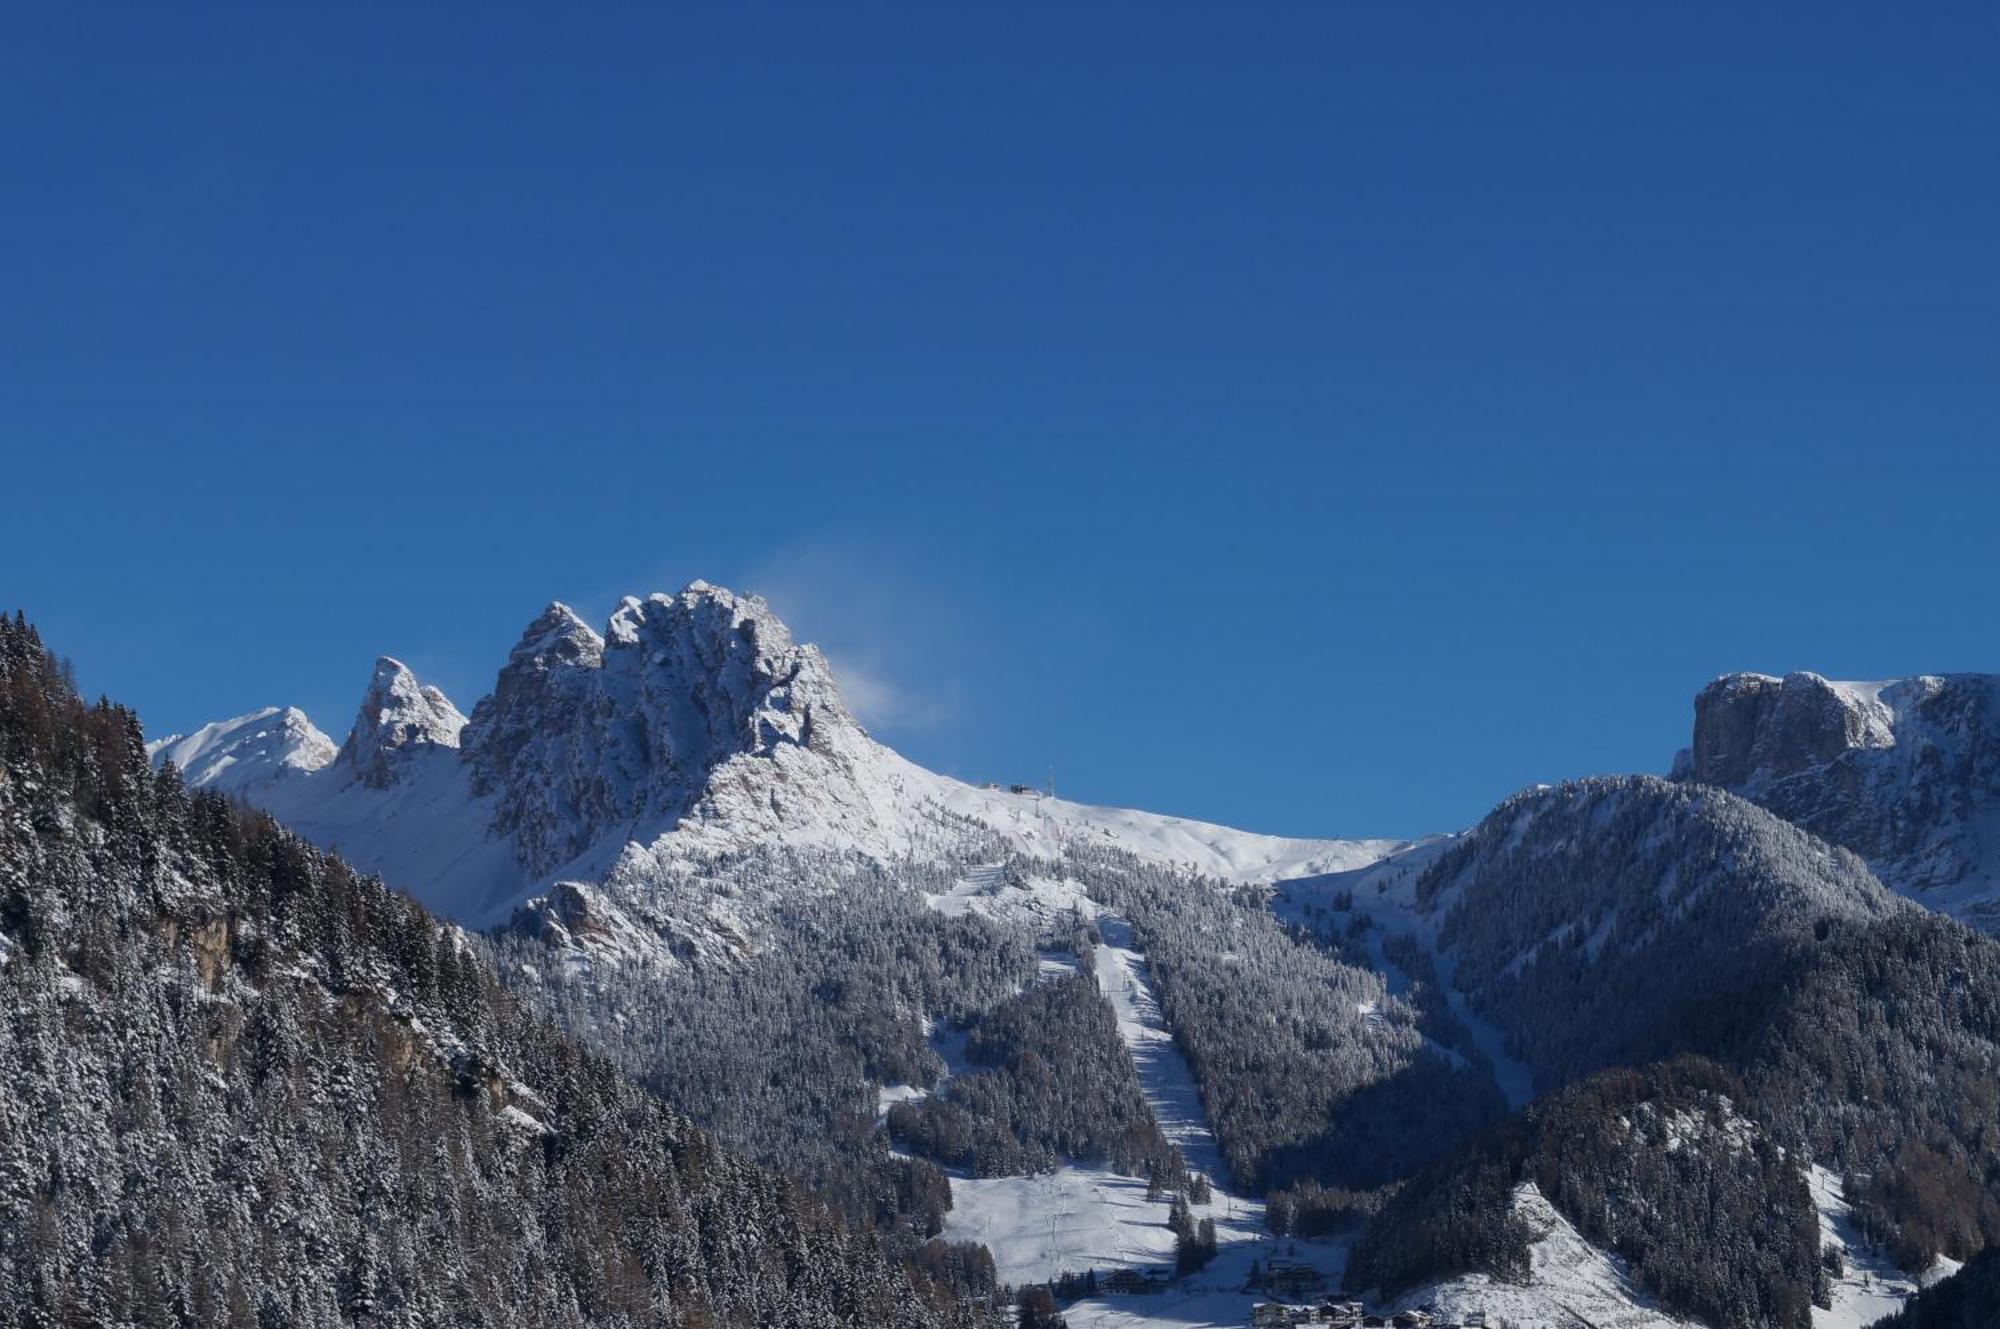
<point x="1905" y="773"/>
<point x="398" y="715"/>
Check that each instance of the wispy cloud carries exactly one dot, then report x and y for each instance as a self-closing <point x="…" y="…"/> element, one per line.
<point x="888" y="634"/>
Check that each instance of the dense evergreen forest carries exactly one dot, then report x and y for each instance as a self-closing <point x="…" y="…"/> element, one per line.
<point x="1047" y="1080"/>
<point x="1884" y="1060"/>
<point x="1309" y="1069"/>
<point x="250" y="1088"/>
<point x="779" y="1049"/>
<point x="1611" y="921"/>
<point x="1621" y="920"/>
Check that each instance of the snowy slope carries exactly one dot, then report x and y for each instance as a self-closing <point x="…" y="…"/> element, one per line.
<point x="693" y="727"/>
<point x="1080" y="1218"/>
<point x="1870" y="1285"/>
<point x="1570" y="1282"/>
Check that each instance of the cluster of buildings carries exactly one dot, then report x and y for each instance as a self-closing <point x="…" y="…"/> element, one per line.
<point x="1350" y="1315"/>
<point x="1139" y="1282"/>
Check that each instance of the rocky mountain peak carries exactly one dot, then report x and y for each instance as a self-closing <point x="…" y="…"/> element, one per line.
<point x="584" y="734"/>
<point x="399" y="714"/>
<point x="1752" y="729"/>
<point x="1904" y="773"/>
<point x="720" y="672"/>
<point x="556" y="637"/>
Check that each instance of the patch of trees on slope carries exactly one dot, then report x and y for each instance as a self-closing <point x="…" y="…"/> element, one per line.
<point x="1711" y="1213"/>
<point x="779" y="1051"/>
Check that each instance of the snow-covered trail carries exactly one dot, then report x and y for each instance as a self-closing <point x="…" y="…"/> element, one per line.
<point x="1080" y="1218"/>
<point x="1214" y="1295"/>
<point x="1164" y="1074"/>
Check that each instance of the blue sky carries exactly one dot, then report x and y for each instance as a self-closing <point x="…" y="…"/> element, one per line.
<point x="1322" y="418"/>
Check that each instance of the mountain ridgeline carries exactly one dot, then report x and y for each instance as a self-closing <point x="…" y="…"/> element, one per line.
<point x="1620" y="920"/>
<point x="249" y="1087"/>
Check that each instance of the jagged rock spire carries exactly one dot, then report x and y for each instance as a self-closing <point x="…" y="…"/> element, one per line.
<point x="398" y="715"/>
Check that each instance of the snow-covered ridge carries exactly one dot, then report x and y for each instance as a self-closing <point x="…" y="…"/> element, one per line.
<point x="228" y="755"/>
<point x="694" y="726"/>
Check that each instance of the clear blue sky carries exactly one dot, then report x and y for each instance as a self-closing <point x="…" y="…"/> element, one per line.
<point x="1325" y="419"/>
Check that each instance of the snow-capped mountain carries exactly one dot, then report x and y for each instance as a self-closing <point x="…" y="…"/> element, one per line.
<point x="1905" y="773"/>
<point x="255" y="749"/>
<point x="693" y="726"/>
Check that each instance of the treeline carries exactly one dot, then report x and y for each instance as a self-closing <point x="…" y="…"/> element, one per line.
<point x="1709" y="1210"/>
<point x="247" y="1087"/>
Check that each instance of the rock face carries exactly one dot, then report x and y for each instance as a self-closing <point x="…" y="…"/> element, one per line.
<point x="398" y="716"/>
<point x="1751" y="729"/>
<point x="585" y="735"/>
<point x="1905" y="773"/>
<point x="529" y="744"/>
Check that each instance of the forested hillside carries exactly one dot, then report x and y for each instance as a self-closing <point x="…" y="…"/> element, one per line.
<point x="1046" y="1081"/>
<point x="778" y="1048"/>
<point x="1608" y="922"/>
<point x="1884" y="1059"/>
<point x="1309" y="1069"/>
<point x="1658" y="1165"/>
<point x="1616" y="921"/>
<point x="247" y="1087"/>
